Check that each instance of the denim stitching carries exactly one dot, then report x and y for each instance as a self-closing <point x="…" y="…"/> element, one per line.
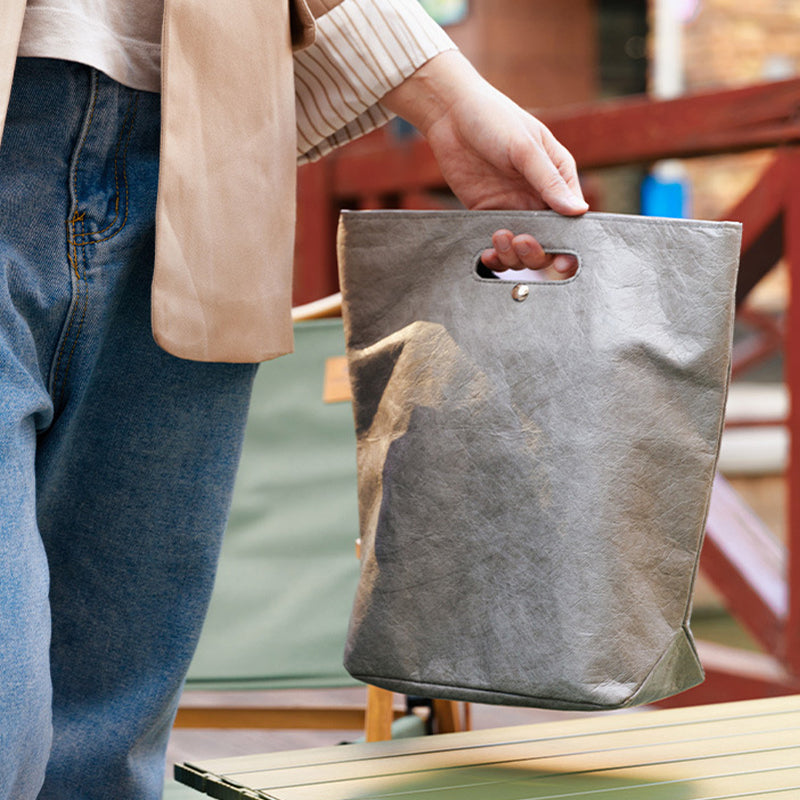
<point x="81" y="292"/>
<point x="78" y="237"/>
<point x="82" y="300"/>
<point x="125" y="133"/>
<point x="84" y="137"/>
<point x="59" y="381"/>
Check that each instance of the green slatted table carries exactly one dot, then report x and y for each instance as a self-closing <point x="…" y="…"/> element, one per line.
<point x="747" y="749"/>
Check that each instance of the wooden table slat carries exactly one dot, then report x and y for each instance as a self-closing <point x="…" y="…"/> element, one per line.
<point x="702" y="736"/>
<point x="723" y="772"/>
<point x="749" y="749"/>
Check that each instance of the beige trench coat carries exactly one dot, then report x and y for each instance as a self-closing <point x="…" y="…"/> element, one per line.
<point x="226" y="198"/>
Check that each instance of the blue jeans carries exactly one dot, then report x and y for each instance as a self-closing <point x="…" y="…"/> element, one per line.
<point x="117" y="460"/>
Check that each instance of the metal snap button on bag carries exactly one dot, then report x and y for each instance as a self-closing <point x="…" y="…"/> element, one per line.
<point x="534" y="476"/>
<point x="520" y="292"/>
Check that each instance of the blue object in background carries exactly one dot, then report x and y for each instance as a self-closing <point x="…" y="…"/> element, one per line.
<point x="401" y="130"/>
<point x="665" y="193"/>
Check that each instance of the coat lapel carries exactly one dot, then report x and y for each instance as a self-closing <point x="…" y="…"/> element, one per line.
<point x="226" y="204"/>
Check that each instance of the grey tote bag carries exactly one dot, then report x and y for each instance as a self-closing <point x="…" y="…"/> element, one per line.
<point x="535" y="460"/>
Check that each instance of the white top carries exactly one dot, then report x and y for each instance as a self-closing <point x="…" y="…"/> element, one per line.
<point x="364" y="48"/>
<point x="122" y="39"/>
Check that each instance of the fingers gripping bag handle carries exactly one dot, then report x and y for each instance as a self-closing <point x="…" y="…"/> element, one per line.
<point x="535" y="459"/>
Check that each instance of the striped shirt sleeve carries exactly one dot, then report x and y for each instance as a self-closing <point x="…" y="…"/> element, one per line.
<point x="363" y="49"/>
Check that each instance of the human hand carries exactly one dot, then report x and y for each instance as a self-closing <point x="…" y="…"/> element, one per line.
<point x="492" y="153"/>
<point x="525" y="252"/>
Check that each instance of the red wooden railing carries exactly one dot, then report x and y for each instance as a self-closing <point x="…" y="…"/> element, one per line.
<point x="757" y="575"/>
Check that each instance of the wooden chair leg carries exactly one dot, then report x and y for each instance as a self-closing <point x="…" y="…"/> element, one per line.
<point x="447" y="716"/>
<point x="379" y="714"/>
<point x="467" y="717"/>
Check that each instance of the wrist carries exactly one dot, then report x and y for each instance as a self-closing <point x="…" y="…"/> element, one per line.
<point x="427" y="95"/>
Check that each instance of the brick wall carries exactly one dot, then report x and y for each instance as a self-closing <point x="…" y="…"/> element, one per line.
<point x="533" y="50"/>
<point x="730" y="43"/>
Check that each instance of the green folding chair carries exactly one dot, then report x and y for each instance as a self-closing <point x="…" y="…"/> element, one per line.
<point x="288" y="568"/>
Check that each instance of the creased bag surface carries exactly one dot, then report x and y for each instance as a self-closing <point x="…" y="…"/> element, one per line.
<point x="534" y="476"/>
